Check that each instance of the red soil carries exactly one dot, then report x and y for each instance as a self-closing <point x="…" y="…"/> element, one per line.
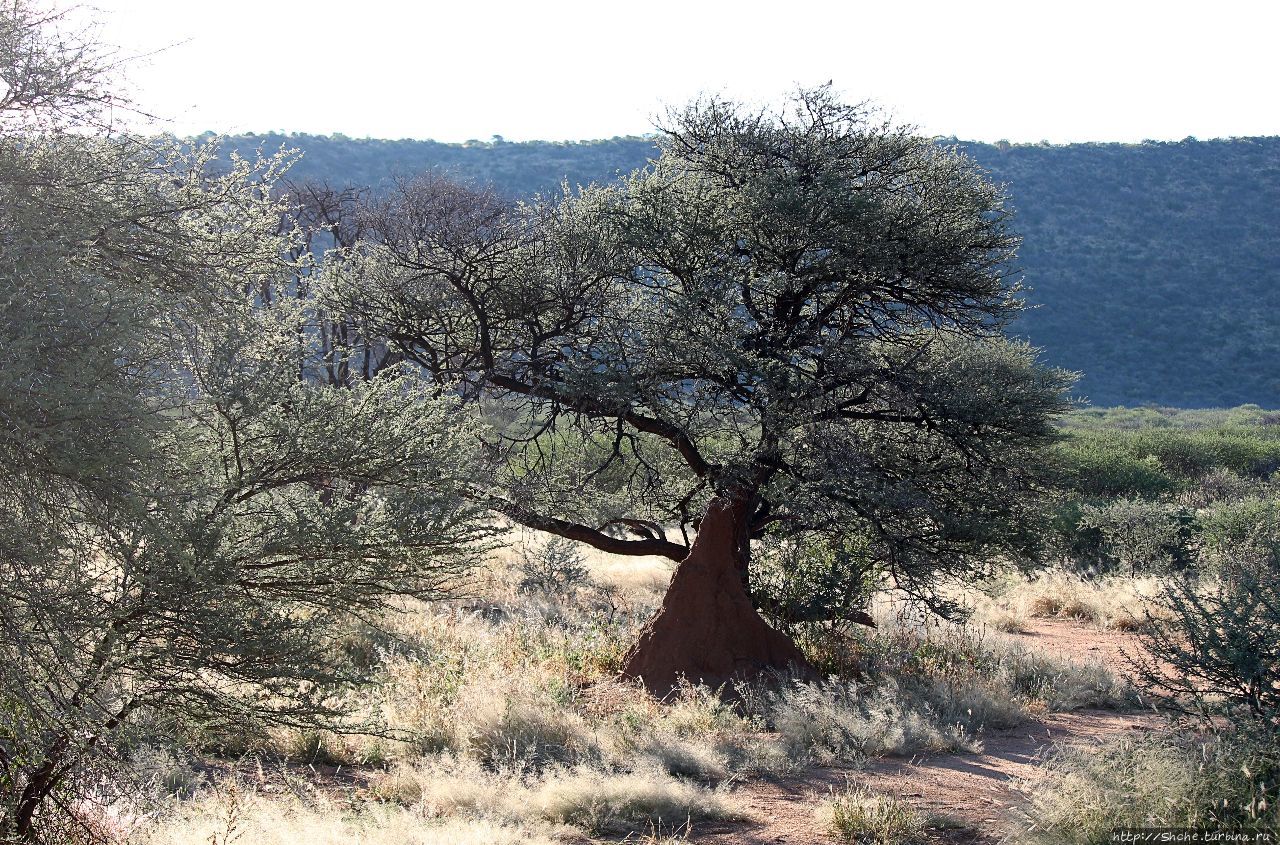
<point x="977" y="792"/>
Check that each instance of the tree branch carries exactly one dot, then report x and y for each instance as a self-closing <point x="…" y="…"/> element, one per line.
<point x="586" y="534"/>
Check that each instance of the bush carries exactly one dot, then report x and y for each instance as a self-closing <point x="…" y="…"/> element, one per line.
<point x="1241" y="533"/>
<point x="1215" y="486"/>
<point x="1142" y="536"/>
<point x="1098" y="466"/>
<point x="1153" y="462"/>
<point x="626" y="802"/>
<point x="1217" y="649"/>
<point x="797" y="582"/>
<point x="837" y="722"/>
<point x="592" y="798"/>
<point x="1247" y="451"/>
<point x="554" y="567"/>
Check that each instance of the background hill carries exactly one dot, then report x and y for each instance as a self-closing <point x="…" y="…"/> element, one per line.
<point x="1155" y="267"/>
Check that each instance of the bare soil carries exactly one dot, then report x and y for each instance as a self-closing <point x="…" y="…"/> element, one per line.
<point x="969" y="798"/>
<point x="1082" y="642"/>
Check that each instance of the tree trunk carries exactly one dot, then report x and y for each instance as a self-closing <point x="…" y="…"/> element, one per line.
<point x="707" y="630"/>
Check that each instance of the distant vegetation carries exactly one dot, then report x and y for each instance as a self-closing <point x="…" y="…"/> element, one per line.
<point x="1156" y="265"/>
<point x="1162" y="490"/>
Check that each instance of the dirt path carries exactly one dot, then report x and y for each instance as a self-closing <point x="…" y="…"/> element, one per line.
<point x="974" y="791"/>
<point x="977" y="789"/>
<point x="1081" y="642"/>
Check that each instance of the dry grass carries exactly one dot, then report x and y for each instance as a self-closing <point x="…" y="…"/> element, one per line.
<point x="1172" y="780"/>
<point x="1110" y="603"/>
<point x="627" y="801"/>
<point x="857" y="815"/>
<point x="586" y="798"/>
<point x="503" y="721"/>
<point x="636" y="576"/>
<point x="263" y="820"/>
<point x="837" y="722"/>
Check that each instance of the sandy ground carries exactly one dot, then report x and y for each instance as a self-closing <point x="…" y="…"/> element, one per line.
<point x="977" y="793"/>
<point x="973" y="797"/>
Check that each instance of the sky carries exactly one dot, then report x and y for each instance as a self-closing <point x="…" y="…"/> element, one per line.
<point x="1028" y="71"/>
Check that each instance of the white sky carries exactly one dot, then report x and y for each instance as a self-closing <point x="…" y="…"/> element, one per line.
<point x="1123" y="70"/>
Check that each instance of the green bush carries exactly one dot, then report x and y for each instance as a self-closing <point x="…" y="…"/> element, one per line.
<point x="1222" y="644"/>
<point x="1245" y="532"/>
<point x="1190" y="454"/>
<point x="1150" y="463"/>
<point x="799" y="582"/>
<point x="1100" y="466"/>
<point x="1141" y="536"/>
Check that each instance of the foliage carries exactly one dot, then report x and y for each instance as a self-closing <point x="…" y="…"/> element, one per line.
<point x="554" y="567"/>
<point x="1152" y="416"/>
<point x="1151" y="462"/>
<point x="190" y="516"/>
<point x="1221" y="645"/>
<point x="1142" y="536"/>
<point x="801" y="581"/>
<point x="1176" y="487"/>
<point x="1241" y="534"/>
<point x="795" y="313"/>
<point x="1099" y="468"/>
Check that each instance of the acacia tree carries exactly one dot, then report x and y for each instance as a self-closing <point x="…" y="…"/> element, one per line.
<point x="789" y="322"/>
<point x="189" y="518"/>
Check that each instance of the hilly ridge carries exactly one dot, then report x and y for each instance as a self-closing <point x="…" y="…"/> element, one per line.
<point x="1153" y="268"/>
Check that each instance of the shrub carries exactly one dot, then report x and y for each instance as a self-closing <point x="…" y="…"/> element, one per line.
<point x="250" y="819"/>
<point x="1099" y="466"/>
<point x="1149" y="463"/>
<point x="1217" y="648"/>
<point x="926" y="690"/>
<point x="1215" y="486"/>
<point x="1142" y="536"/>
<point x="844" y="722"/>
<point x="593" y="798"/>
<point x="1241" y="533"/>
<point x="554" y="567"/>
<point x="801" y="581"/>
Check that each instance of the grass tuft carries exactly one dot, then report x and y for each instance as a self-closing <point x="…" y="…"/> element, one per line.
<point x="857" y="815"/>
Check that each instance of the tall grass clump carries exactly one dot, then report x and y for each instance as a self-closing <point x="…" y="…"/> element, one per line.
<point x="856" y="815"/>
<point x="1227" y="780"/>
<point x="594" y="799"/>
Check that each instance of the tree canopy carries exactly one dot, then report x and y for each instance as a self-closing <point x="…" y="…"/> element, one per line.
<point x="794" y="317"/>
